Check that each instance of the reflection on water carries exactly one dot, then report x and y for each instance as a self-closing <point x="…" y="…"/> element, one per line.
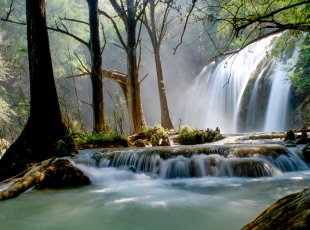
<point x="120" y="199"/>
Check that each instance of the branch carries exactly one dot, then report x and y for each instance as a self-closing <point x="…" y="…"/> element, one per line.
<point x="86" y="103"/>
<point x="11" y="9"/>
<point x="104" y="39"/>
<point x="238" y="28"/>
<point x="184" y="28"/>
<point x="142" y="10"/>
<point x="164" y="23"/>
<point x="73" y="20"/>
<point x="143" y="78"/>
<point x="101" y="12"/>
<point x="82" y="64"/>
<point x="115" y="76"/>
<point x="66" y="32"/>
<point x="119" y="10"/>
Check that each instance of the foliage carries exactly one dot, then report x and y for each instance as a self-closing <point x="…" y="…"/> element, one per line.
<point x="191" y="136"/>
<point x="242" y="22"/>
<point x="301" y="77"/>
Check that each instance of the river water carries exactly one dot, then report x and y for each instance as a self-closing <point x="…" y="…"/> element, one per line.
<point x="120" y="199"/>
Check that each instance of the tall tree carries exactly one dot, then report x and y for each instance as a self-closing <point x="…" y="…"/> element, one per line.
<point x="157" y="35"/>
<point x="130" y="12"/>
<point x="44" y="128"/>
<point x="96" y="73"/>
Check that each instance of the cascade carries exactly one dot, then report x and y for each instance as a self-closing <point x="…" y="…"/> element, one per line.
<point x="200" y="161"/>
<point x="243" y="92"/>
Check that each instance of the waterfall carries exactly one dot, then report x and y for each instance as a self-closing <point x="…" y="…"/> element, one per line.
<point x="278" y="100"/>
<point x="247" y="91"/>
<point x="277" y="105"/>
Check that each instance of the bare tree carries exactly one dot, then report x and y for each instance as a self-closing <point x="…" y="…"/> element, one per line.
<point x="157" y="35"/>
<point x="130" y="12"/>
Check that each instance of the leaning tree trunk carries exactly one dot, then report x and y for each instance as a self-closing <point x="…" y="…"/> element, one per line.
<point x="164" y="110"/>
<point x="134" y="102"/>
<point x="96" y="73"/>
<point x="44" y="128"/>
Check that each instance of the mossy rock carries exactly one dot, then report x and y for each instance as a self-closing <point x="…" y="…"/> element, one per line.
<point x="155" y="136"/>
<point x="190" y="136"/>
<point x="290" y="212"/>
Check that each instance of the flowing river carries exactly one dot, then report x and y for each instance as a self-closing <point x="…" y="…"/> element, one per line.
<point x="136" y="190"/>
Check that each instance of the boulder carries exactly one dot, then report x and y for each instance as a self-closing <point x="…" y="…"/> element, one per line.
<point x="290" y="212"/>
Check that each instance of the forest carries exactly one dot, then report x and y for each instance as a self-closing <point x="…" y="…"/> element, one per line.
<point x="97" y="74"/>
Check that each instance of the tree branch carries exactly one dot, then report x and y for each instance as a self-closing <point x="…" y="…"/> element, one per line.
<point x="184" y="28"/>
<point x="101" y="12"/>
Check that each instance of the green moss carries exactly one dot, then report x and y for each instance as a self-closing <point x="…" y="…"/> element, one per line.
<point x="191" y="136"/>
<point x="100" y="140"/>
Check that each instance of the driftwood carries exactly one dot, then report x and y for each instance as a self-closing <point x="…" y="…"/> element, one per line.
<point x="53" y="173"/>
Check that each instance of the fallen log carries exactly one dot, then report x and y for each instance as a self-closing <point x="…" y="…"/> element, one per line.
<point x="54" y="173"/>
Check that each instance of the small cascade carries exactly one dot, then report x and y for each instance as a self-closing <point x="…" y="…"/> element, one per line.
<point x="195" y="161"/>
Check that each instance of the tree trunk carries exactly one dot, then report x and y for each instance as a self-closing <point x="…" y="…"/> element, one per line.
<point x="44" y="127"/>
<point x="96" y="73"/>
<point x="156" y="42"/>
<point x="164" y="110"/>
<point x="134" y="102"/>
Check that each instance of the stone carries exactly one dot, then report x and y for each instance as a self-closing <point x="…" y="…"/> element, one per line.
<point x="290" y="212"/>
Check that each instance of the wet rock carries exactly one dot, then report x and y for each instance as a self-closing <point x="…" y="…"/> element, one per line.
<point x="290" y="136"/>
<point x="290" y="212"/>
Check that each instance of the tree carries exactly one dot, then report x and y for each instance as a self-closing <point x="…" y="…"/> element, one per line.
<point x="44" y="128"/>
<point x="157" y="36"/>
<point x="130" y="12"/>
<point x="96" y="73"/>
<point x="95" y="51"/>
<point x="253" y="20"/>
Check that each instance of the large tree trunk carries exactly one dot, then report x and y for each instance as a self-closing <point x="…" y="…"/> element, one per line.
<point x="44" y="128"/>
<point x="164" y="110"/>
<point x="96" y="73"/>
<point x="134" y="102"/>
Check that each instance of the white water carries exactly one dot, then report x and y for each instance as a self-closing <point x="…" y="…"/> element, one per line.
<point x="120" y="199"/>
<point x="214" y="99"/>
